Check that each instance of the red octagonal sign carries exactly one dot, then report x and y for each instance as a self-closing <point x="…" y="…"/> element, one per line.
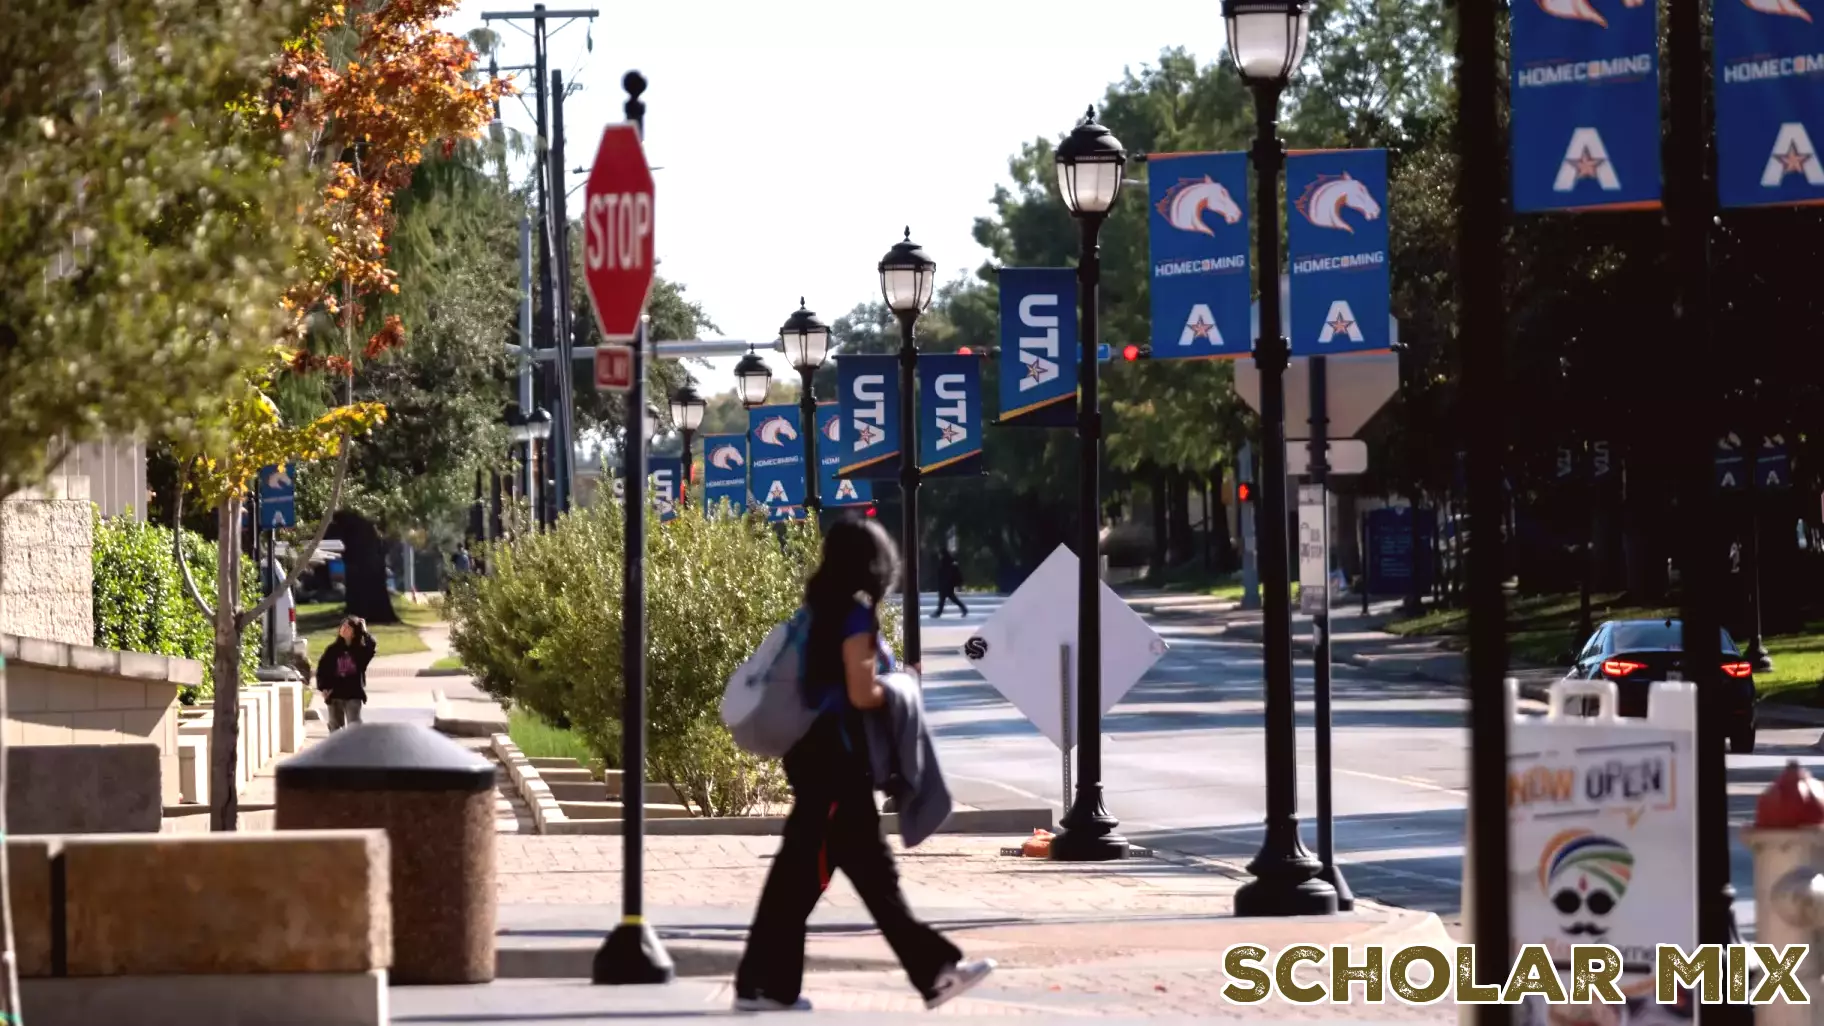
<point x="617" y="232"/>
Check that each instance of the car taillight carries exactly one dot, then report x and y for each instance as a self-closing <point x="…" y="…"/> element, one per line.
<point x="1620" y="667"/>
<point x="1737" y="670"/>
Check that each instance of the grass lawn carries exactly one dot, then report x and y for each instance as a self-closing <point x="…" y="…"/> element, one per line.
<point x="538" y="739"/>
<point x="1798" y="666"/>
<point x="1193" y="579"/>
<point x="1540" y="628"/>
<point x="448" y="662"/>
<point x="318" y="621"/>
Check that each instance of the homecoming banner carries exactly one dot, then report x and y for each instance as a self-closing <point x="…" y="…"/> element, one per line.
<point x="868" y="398"/>
<point x="1585" y="104"/>
<point x="950" y="414"/>
<point x="1198" y="234"/>
<point x="1336" y="233"/>
<point x="667" y="476"/>
<point x="1038" y="346"/>
<point x="725" y="473"/>
<point x="775" y="456"/>
<point x="833" y="491"/>
<point x="1769" y="101"/>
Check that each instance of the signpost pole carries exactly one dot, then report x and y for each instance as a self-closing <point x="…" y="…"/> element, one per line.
<point x="1064" y="689"/>
<point x="1320" y="628"/>
<point x="272" y="611"/>
<point x="633" y="954"/>
<point x="1250" y="566"/>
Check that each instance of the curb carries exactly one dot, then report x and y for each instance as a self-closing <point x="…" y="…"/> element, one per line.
<point x="692" y="958"/>
<point x="532" y="788"/>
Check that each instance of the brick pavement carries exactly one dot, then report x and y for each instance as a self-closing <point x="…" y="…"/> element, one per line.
<point x="947" y="871"/>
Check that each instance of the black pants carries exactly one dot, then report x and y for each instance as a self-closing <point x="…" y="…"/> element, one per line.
<point x="833" y="825"/>
<point x="949" y="595"/>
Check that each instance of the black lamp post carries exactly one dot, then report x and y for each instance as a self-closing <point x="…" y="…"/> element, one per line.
<point x="807" y="344"/>
<point x="753" y="379"/>
<point x="1267" y="42"/>
<point x="530" y="430"/>
<point x="1090" y="164"/>
<point x="687" y="409"/>
<point x="907" y="281"/>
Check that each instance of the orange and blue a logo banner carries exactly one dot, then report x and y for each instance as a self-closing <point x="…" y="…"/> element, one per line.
<point x="667" y="476"/>
<point x="1585" y="104"/>
<point x="868" y="403"/>
<point x="1769" y="59"/>
<point x="1038" y="346"/>
<point x="1336" y="234"/>
<point x="725" y="472"/>
<point x="1197" y="232"/>
<point x="775" y="456"/>
<point x="833" y="491"/>
<point x="950" y="414"/>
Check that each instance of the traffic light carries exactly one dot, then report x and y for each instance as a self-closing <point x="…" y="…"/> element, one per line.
<point x="965" y="351"/>
<point x="1244" y="492"/>
<point x="872" y="511"/>
<point x="1130" y="352"/>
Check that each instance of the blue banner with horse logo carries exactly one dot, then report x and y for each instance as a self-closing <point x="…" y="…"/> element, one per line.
<point x="725" y="472"/>
<point x="1038" y="346"/>
<point x="868" y="398"/>
<point x="1198" y="235"/>
<point x="833" y="491"/>
<point x="1336" y="232"/>
<point x="1585" y="103"/>
<point x="775" y="457"/>
<point x="950" y="414"/>
<point x="1769" y="102"/>
<point x="667" y="476"/>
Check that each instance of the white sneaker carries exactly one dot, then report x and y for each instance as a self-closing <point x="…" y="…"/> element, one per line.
<point x="762" y="1003"/>
<point x="958" y="978"/>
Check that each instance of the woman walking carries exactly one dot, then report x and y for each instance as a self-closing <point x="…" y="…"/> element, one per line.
<point x="342" y="672"/>
<point x="834" y="823"/>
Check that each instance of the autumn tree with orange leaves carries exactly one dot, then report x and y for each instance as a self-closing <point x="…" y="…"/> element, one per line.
<point x="364" y="93"/>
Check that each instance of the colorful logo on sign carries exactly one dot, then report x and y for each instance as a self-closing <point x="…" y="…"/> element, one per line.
<point x="1585" y="875"/>
<point x="950" y="413"/>
<point x="776" y="460"/>
<point x="1198" y="242"/>
<point x="1038" y="346"/>
<point x="835" y="491"/>
<point x="868" y="398"/>
<point x="725" y="472"/>
<point x="1585" y="105"/>
<point x="667" y="476"/>
<point x="1769" y="58"/>
<point x="1337" y="234"/>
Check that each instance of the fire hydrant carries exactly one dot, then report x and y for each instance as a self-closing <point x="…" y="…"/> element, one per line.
<point x="1787" y="840"/>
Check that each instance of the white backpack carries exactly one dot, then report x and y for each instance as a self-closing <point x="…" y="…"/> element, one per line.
<point x="763" y="705"/>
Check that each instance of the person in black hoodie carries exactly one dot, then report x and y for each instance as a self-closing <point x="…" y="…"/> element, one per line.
<point x="342" y="672"/>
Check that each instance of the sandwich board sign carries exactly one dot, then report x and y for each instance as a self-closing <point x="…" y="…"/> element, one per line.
<point x="1603" y="834"/>
<point x="1018" y="650"/>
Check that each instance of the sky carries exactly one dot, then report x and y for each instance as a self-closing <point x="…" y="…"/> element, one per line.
<point x="794" y="140"/>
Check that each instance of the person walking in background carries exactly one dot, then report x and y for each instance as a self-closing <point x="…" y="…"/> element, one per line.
<point x="342" y="672"/>
<point x="949" y="578"/>
<point x="834" y="823"/>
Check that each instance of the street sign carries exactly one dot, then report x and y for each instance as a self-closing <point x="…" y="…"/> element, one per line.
<point x="278" y="497"/>
<point x="1359" y="385"/>
<point x="1603" y="829"/>
<point x="613" y="368"/>
<point x="617" y="232"/>
<point x="1017" y="650"/>
<point x="1313" y="548"/>
<point x="1344" y="455"/>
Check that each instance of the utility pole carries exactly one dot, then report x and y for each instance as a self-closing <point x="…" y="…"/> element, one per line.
<point x="551" y="324"/>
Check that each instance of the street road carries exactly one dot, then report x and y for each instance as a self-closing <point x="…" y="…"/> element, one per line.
<point x="1183" y="759"/>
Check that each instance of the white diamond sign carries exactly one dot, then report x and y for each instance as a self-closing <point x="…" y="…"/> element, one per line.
<point x="1017" y="650"/>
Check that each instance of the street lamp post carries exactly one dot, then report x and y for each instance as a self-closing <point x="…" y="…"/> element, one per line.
<point x="753" y="379"/>
<point x="807" y="344"/>
<point x="1090" y="165"/>
<point x="687" y="413"/>
<point x="1267" y="42"/>
<point x="907" y="282"/>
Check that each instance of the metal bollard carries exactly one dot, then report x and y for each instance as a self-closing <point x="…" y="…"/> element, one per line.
<point x="1787" y="841"/>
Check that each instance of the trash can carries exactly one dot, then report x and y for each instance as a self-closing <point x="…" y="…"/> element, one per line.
<point x="435" y="800"/>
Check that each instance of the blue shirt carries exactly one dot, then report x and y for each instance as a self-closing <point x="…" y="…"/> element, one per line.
<point x="833" y="695"/>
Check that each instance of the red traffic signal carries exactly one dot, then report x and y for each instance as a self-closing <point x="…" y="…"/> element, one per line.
<point x="1244" y="492"/>
<point x="965" y="351"/>
<point x="872" y="511"/>
<point x="1130" y="352"/>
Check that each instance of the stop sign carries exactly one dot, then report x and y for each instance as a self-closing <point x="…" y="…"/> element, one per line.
<point x="617" y="232"/>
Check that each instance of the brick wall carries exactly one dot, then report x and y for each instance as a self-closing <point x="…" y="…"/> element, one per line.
<point x="46" y="564"/>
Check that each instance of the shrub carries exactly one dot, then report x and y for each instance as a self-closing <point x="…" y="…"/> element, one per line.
<point x="140" y="604"/>
<point x="544" y="629"/>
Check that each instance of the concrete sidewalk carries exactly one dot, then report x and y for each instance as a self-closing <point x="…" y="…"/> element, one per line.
<point x="406" y="688"/>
